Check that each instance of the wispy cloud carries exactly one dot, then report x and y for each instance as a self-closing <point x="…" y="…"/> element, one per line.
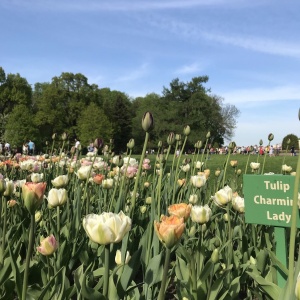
<point x="134" y="74"/>
<point x="260" y="44"/>
<point x="286" y="92"/>
<point x="188" y="69"/>
<point x="92" y="5"/>
<point x="192" y="32"/>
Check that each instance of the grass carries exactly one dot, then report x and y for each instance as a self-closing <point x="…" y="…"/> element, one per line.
<point x="215" y="161"/>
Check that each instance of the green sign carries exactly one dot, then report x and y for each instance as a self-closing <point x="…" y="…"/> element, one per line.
<point x="269" y="199"/>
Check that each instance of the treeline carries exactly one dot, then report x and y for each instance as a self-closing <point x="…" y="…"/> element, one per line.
<point x="70" y="104"/>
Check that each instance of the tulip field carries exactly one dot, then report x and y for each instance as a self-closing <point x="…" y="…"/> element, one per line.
<point x="164" y="226"/>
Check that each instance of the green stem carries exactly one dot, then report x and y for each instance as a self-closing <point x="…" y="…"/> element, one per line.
<point x="4" y="229"/>
<point x="159" y="191"/>
<point x="194" y="278"/>
<point x="265" y="155"/>
<point x="286" y="150"/>
<point x="293" y="228"/>
<point x="177" y="167"/>
<point x="58" y="223"/>
<point x="133" y="198"/>
<point x="247" y="163"/>
<point x="161" y="295"/>
<point x="204" y="150"/>
<point x="174" y="156"/>
<point x="106" y="270"/>
<point x="28" y="257"/>
<point x="229" y="256"/>
<point x="225" y="167"/>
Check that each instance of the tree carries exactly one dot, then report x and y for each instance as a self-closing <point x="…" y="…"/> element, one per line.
<point x="186" y="104"/>
<point x="20" y="126"/>
<point x="92" y="124"/>
<point x="14" y="90"/>
<point x="293" y="142"/>
<point x="118" y="108"/>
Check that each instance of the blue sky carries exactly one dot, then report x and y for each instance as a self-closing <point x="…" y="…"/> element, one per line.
<point x="249" y="49"/>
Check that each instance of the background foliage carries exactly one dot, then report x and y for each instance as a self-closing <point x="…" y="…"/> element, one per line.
<point x="70" y="104"/>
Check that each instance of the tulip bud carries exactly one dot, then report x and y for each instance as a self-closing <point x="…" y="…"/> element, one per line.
<point x="148" y="200"/>
<point x="143" y="209"/>
<point x="193" y="199"/>
<point x="288" y="141"/>
<point x="147" y="121"/>
<point x="208" y="135"/>
<point x="203" y="227"/>
<point x="160" y="158"/>
<point x="252" y="260"/>
<point x="234" y="163"/>
<point x="226" y="217"/>
<point x="186" y="130"/>
<point x="2" y="186"/>
<point x="239" y="172"/>
<point x="33" y="194"/>
<point x="192" y="231"/>
<point x="171" y="138"/>
<point x="146" y="184"/>
<point x="38" y="216"/>
<point x="54" y="136"/>
<point x="118" y="258"/>
<point x="215" y="256"/>
<point x="11" y="203"/>
<point x="48" y="245"/>
<point x="98" y="143"/>
<point x="217" y="173"/>
<point x="198" y="145"/>
<point x="64" y="136"/>
<point x="271" y="137"/>
<point x="9" y="189"/>
<point x="178" y="137"/>
<point x="232" y="145"/>
<point x="159" y="144"/>
<point x="261" y="142"/>
<point x="130" y="144"/>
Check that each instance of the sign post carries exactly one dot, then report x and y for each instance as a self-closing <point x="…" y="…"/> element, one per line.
<point x="269" y="201"/>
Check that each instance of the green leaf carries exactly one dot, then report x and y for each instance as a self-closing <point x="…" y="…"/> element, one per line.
<point x="209" y="266"/>
<point x="48" y="286"/>
<point x="88" y="292"/>
<point x="182" y="270"/>
<point x="215" y="289"/>
<point x="261" y="259"/>
<point x="112" y="291"/>
<point x="129" y="272"/>
<point x="277" y="262"/>
<point x="16" y="272"/>
<point x="5" y="271"/>
<point x="270" y="288"/>
<point x="78" y="277"/>
<point x="154" y="271"/>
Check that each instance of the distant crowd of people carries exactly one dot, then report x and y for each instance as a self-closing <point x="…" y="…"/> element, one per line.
<point x="6" y="149"/>
<point x="271" y="150"/>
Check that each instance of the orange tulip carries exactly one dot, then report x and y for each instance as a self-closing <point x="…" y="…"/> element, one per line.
<point x="98" y="178"/>
<point x="181" y="210"/>
<point x="169" y="230"/>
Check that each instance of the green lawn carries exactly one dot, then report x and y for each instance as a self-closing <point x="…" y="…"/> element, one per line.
<point x="215" y="161"/>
